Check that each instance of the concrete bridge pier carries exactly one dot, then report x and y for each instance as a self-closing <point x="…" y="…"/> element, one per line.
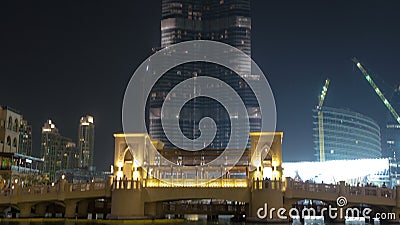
<point x="342" y="188"/>
<point x="40" y="209"/>
<point x="396" y="209"/>
<point x="70" y="208"/>
<point x="289" y="203"/>
<point x="154" y="209"/>
<point x="262" y="196"/>
<point x="127" y="204"/>
<point x="82" y="208"/>
<point x="25" y="210"/>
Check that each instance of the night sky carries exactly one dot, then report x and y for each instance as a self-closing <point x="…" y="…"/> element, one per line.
<point x="65" y="59"/>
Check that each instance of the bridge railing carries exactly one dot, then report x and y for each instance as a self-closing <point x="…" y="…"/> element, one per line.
<point x="62" y="186"/>
<point x="371" y="191"/>
<point x="165" y="183"/>
<point x="268" y="184"/>
<point x="32" y="190"/>
<point x="88" y="186"/>
<point x="290" y="184"/>
<point x="309" y="187"/>
<point x="340" y="188"/>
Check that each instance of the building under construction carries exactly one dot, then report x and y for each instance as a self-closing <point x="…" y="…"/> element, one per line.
<point x="343" y="134"/>
<point x="346" y="135"/>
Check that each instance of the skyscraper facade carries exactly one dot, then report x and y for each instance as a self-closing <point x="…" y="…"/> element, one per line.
<point x="226" y="21"/>
<point x="50" y="148"/>
<point x="15" y="132"/>
<point x="391" y="138"/>
<point x="70" y="156"/>
<point x="86" y="141"/>
<point x="58" y="152"/>
<point x="392" y="149"/>
<point x="10" y="120"/>
<point x="25" y="138"/>
<point x="16" y="160"/>
<point x="347" y="135"/>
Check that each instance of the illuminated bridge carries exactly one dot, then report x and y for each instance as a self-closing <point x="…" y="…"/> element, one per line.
<point x="135" y="192"/>
<point x="150" y="198"/>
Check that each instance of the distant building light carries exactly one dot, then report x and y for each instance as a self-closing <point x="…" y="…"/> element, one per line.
<point x="90" y="119"/>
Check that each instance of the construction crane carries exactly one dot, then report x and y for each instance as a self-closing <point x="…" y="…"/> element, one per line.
<point x="321" y="121"/>
<point x="377" y="90"/>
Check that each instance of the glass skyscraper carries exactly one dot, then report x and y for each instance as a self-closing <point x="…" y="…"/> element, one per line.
<point x="25" y="138"/>
<point x="57" y="151"/>
<point x="347" y="135"/>
<point x="226" y="21"/>
<point x="86" y="141"/>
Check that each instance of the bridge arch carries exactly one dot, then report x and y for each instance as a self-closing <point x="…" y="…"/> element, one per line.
<point x="174" y="194"/>
<point x="9" y="209"/>
<point x="45" y="207"/>
<point x="132" y="202"/>
<point x="128" y="163"/>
